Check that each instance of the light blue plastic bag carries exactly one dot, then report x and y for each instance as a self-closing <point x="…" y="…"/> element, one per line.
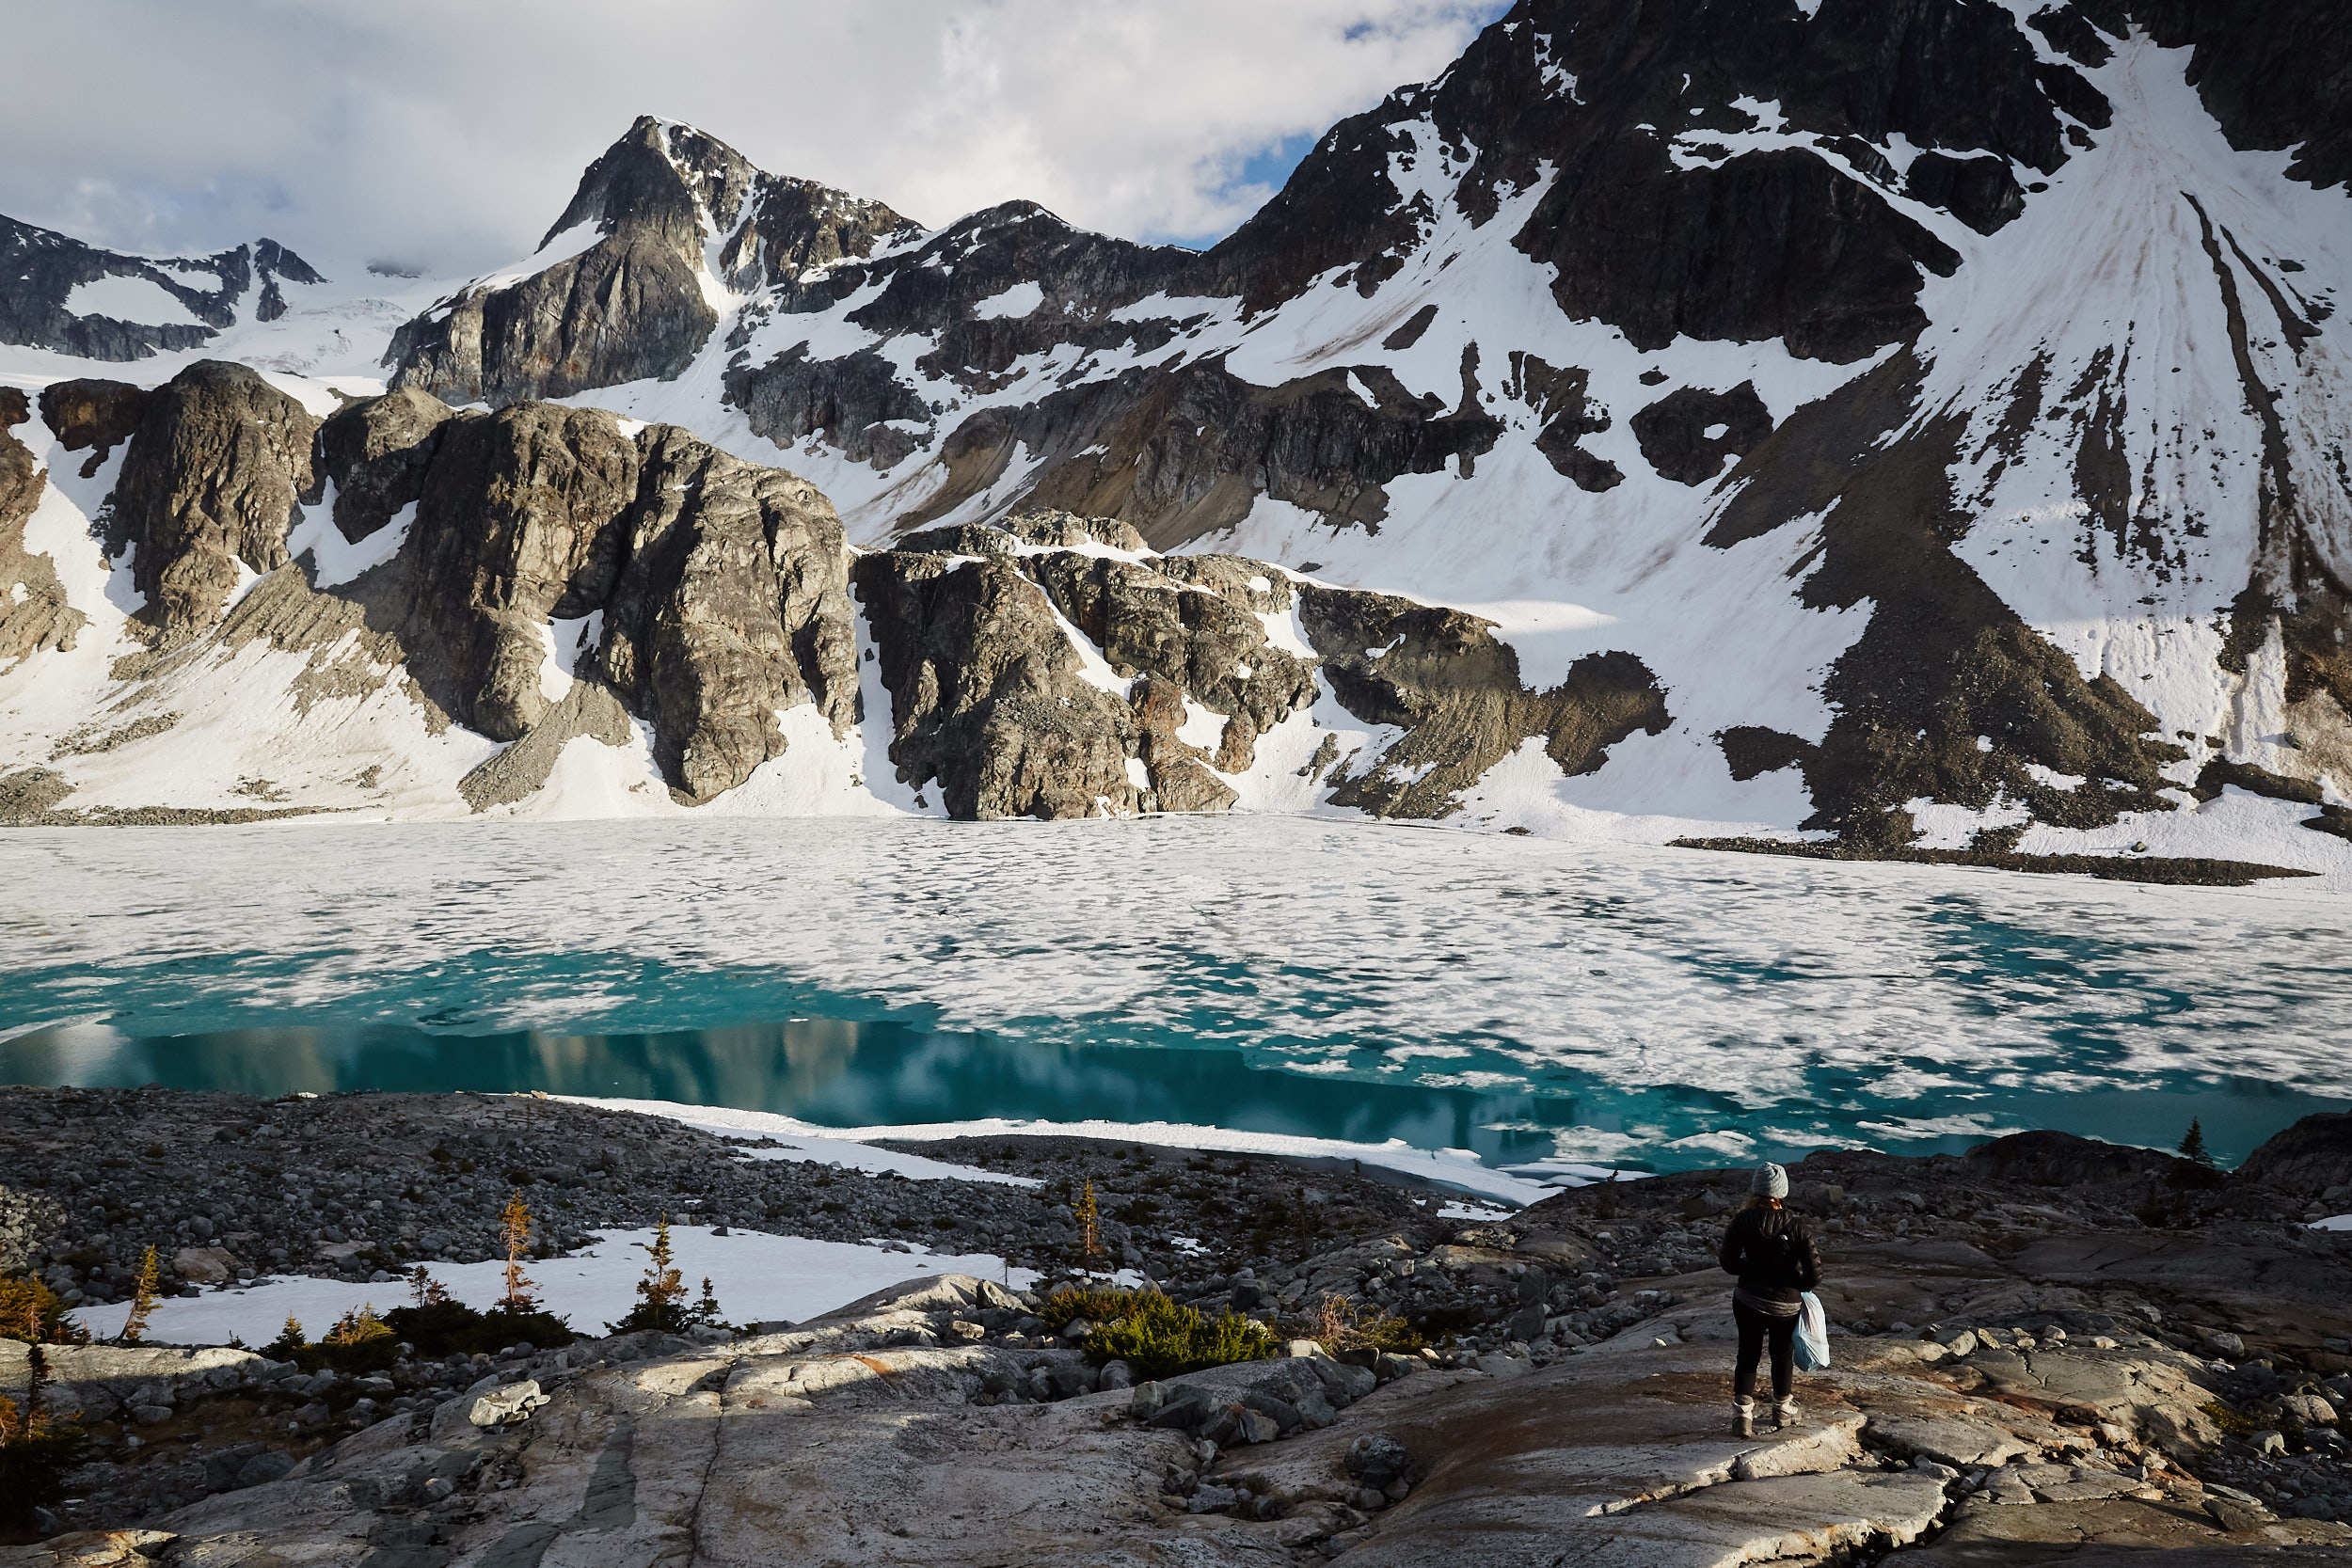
<point x="1812" y="1335"/>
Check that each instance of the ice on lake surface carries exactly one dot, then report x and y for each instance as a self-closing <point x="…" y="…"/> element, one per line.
<point x="1522" y="996"/>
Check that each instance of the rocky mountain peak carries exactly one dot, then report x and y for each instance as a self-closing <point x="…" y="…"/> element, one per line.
<point x="1911" y="421"/>
<point x="60" y="294"/>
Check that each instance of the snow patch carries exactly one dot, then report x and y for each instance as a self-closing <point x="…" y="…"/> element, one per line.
<point x="1022" y="299"/>
<point x="128" y="298"/>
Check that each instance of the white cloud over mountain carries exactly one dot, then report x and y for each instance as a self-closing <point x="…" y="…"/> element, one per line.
<point x="448" y="133"/>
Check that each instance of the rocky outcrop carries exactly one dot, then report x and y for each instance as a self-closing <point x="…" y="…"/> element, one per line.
<point x="518" y="523"/>
<point x="2312" y="1160"/>
<point x="377" y="453"/>
<point x="93" y="415"/>
<point x="733" y="607"/>
<point x="985" y="649"/>
<point x="990" y="701"/>
<point x="1443" y="677"/>
<point x="708" y="594"/>
<point x="33" y="613"/>
<point x="207" y="493"/>
<point x="41" y="270"/>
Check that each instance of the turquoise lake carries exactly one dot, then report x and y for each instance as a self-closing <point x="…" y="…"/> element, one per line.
<point x="1527" y="999"/>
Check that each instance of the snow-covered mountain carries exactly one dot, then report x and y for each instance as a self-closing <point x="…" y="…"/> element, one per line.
<point x="1879" y="417"/>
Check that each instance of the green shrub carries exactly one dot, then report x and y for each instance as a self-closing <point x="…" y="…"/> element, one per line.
<point x="2232" y="1423"/>
<point x="1094" y="1304"/>
<point x="1157" y="1339"/>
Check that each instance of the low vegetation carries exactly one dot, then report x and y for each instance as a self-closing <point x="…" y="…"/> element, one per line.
<point x="1155" y="1336"/>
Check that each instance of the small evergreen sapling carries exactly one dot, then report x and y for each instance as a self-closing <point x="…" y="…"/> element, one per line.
<point x="514" y="1227"/>
<point x="660" y="1292"/>
<point x="142" y="1301"/>
<point x="2193" y="1145"/>
<point x="289" y="1341"/>
<point x="424" y="1289"/>
<point x="357" y="1328"/>
<point x="1090" y="1222"/>
<point x="706" y="1309"/>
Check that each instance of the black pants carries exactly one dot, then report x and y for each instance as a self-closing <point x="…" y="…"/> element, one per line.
<point x="1755" y="1328"/>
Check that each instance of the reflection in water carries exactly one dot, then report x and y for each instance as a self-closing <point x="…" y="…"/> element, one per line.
<point x="841" y="1073"/>
<point x="829" y="1071"/>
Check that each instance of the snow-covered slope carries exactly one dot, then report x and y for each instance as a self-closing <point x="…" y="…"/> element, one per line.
<point x="1940" y="403"/>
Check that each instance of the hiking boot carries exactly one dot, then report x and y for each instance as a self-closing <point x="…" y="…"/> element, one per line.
<point x="1743" y="1418"/>
<point x="1784" y="1414"/>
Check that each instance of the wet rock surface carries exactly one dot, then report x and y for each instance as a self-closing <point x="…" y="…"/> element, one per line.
<point x="2047" y="1345"/>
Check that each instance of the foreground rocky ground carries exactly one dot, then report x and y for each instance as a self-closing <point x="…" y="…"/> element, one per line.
<point x="2047" y="1349"/>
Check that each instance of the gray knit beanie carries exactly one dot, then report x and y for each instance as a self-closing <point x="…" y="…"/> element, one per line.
<point x="1769" y="1181"/>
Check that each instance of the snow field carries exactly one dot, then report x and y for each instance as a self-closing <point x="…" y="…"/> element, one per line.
<point x="756" y="1278"/>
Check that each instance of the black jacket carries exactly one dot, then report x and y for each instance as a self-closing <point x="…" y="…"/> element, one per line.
<point x="1773" y="1253"/>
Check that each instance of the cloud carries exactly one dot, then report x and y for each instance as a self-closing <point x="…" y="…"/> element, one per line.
<point x="449" y="133"/>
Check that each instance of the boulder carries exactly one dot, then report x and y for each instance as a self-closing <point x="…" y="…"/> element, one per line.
<point x="2307" y="1158"/>
<point x="203" y="1265"/>
<point x="506" y="1405"/>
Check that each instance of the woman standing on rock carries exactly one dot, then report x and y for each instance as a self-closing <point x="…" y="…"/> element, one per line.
<point x="1773" y="1253"/>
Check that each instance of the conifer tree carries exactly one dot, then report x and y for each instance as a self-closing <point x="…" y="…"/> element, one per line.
<point x="2193" y="1145"/>
<point x="661" y="1290"/>
<point x="424" y="1289"/>
<point x="515" y="1225"/>
<point x="36" y="1450"/>
<point x="1090" y="1234"/>
<point x="142" y="1301"/>
<point x="706" y="1309"/>
<point x="289" y="1339"/>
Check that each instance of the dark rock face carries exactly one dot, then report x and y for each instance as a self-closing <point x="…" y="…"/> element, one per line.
<point x="1767" y="244"/>
<point x="1444" y="676"/>
<point x="2309" y="1159"/>
<point x="1687" y="433"/>
<point x="988" y="696"/>
<point x="631" y="305"/>
<point x="34" y="614"/>
<point x="208" y="484"/>
<point x="1183" y="453"/>
<point x="378" y="452"/>
<point x="2274" y="75"/>
<point x="850" y="402"/>
<point x="1944" y="659"/>
<point x="721" y="586"/>
<point x="92" y="416"/>
<point x="518" y="522"/>
<point x="990" y="701"/>
<point x="1558" y="398"/>
<point x="733" y="605"/>
<point x="40" y="269"/>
